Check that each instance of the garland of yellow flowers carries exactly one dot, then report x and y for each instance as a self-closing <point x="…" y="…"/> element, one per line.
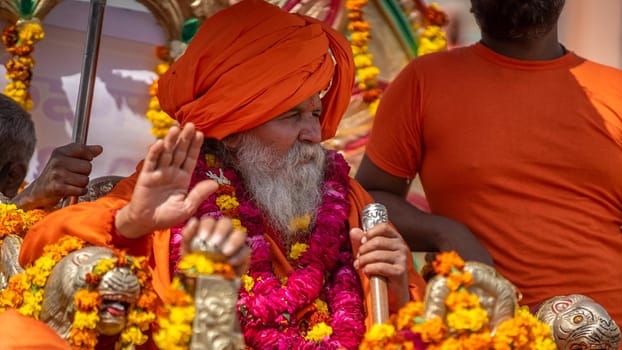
<point x="17" y="221"/>
<point x="465" y="325"/>
<point x="430" y="37"/>
<point x="25" y="290"/>
<point x="366" y="72"/>
<point x="160" y="121"/>
<point x="175" y="324"/>
<point x="19" y="40"/>
<point x="25" y="293"/>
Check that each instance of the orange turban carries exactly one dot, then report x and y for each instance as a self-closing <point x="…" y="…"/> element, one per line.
<point x="252" y="62"/>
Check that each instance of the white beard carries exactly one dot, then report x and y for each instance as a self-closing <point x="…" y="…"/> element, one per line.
<point x="284" y="188"/>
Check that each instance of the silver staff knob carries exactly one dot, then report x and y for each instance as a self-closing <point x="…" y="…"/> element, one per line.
<point x="372" y="215"/>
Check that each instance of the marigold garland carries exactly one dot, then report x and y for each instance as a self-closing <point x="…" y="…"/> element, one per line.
<point x="17" y="221"/>
<point x="25" y="290"/>
<point x="25" y="293"/>
<point x="19" y="40"/>
<point x="428" y="27"/>
<point x="366" y="72"/>
<point x="159" y="119"/>
<point x="465" y="325"/>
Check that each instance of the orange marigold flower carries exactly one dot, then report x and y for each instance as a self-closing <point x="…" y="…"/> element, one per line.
<point x="10" y="35"/>
<point x="432" y="331"/>
<point x="355" y="16"/>
<point x="163" y="52"/>
<point x="147" y="299"/>
<point x="435" y="16"/>
<point x="371" y="94"/>
<point x="92" y="279"/>
<point x="86" y="300"/>
<point x="457" y="280"/>
<point x="359" y="26"/>
<point x="24" y="50"/>
<point x="86" y="338"/>
<point x="446" y="261"/>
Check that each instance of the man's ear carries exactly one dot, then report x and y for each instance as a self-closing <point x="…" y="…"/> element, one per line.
<point x="232" y="142"/>
<point x="13" y="178"/>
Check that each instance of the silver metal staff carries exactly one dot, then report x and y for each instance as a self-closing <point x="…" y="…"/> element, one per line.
<point x="87" y="78"/>
<point x="373" y="214"/>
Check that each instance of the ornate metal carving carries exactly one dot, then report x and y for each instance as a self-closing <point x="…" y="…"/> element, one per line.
<point x="99" y="187"/>
<point x="215" y="325"/>
<point x="119" y="289"/>
<point x="9" y="254"/>
<point x="579" y="323"/>
<point x="497" y="295"/>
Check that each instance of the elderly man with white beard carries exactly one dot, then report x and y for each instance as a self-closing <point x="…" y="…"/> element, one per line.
<point x="255" y="93"/>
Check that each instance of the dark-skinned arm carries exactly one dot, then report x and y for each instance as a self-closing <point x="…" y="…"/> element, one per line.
<point x="422" y="231"/>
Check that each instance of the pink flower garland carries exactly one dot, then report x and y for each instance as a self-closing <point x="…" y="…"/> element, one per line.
<point x="268" y="312"/>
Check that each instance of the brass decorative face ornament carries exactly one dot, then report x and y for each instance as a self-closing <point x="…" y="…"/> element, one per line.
<point x="119" y="289"/>
<point x="579" y="323"/>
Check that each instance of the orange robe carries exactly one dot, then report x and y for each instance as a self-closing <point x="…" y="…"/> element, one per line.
<point x="18" y="332"/>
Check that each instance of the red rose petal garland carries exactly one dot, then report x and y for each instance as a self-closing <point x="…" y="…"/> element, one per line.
<point x="323" y="281"/>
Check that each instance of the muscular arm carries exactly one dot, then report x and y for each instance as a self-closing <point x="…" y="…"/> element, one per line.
<point x="422" y="231"/>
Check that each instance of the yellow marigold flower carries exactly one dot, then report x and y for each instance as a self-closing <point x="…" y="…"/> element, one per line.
<point x="10" y="298"/>
<point x="378" y="332"/>
<point x="354" y="5"/>
<point x="300" y="223"/>
<point x="321" y="306"/>
<point x="85" y="320"/>
<point x="196" y="263"/>
<point x="226" y="202"/>
<point x="140" y="318"/>
<point x="133" y="335"/>
<point x="363" y="60"/>
<point x="161" y="68"/>
<point x="154" y="103"/>
<point x="180" y="315"/>
<point x="297" y="250"/>
<point x="467" y="319"/>
<point x="237" y="225"/>
<point x="319" y="332"/>
<point x="462" y="299"/>
<point x="248" y="282"/>
<point x="359" y="38"/>
<point x="368" y="75"/>
<point x="432" y="39"/>
<point x="30" y="33"/>
<point x="357" y="50"/>
<point x="104" y="266"/>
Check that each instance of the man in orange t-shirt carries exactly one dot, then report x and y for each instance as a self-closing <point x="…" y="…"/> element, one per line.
<point x="255" y="92"/>
<point x="518" y="144"/>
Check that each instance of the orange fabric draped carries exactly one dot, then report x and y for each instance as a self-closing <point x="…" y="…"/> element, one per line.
<point x="18" y="332"/>
<point x="252" y="62"/>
